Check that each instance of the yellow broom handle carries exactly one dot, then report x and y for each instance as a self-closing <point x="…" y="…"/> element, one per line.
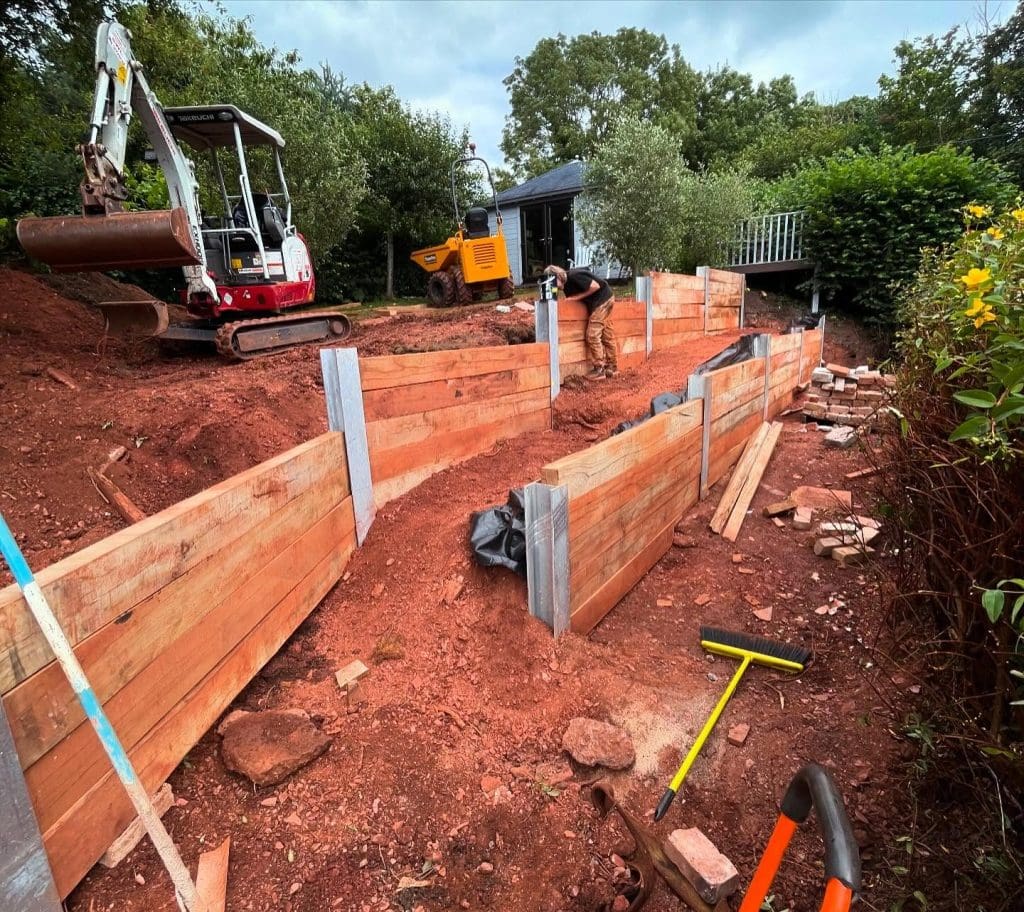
<point x="709" y="725"/>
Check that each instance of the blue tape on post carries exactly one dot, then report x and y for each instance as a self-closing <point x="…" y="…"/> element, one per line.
<point x="107" y="735"/>
<point x="12" y="554"/>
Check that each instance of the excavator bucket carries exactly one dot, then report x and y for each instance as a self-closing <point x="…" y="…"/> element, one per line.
<point x="141" y="319"/>
<point x="122" y="240"/>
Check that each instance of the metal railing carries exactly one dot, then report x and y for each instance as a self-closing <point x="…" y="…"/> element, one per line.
<point x="774" y="238"/>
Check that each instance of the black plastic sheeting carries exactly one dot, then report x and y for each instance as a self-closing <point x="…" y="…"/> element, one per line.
<point x="497" y="535"/>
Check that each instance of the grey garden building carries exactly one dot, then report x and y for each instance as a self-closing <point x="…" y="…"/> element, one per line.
<point x="540" y="225"/>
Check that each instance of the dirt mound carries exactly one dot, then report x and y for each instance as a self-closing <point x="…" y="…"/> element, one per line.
<point x="93" y="287"/>
<point x="34" y="317"/>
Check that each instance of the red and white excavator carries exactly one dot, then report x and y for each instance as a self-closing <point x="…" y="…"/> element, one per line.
<point x="246" y="270"/>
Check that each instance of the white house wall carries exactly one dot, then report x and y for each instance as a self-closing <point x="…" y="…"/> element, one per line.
<point x="510" y="223"/>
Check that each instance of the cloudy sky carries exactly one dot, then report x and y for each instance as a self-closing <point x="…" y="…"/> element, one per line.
<point x="452" y="56"/>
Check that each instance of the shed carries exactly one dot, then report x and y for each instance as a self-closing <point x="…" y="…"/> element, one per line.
<point x="540" y="225"/>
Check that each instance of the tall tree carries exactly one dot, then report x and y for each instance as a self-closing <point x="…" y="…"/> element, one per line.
<point x="999" y="110"/>
<point x="633" y="203"/>
<point x="565" y="95"/>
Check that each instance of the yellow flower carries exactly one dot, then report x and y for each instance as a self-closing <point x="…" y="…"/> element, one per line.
<point x="1018" y="214"/>
<point x="996" y="233"/>
<point x="978" y="211"/>
<point x="977" y="306"/>
<point x="986" y="317"/>
<point x="976" y="277"/>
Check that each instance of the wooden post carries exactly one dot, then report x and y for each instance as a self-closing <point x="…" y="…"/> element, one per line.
<point x="545" y="319"/>
<point x="706" y="272"/>
<point x="26" y="883"/>
<point x="644" y="293"/>
<point x="344" y="392"/>
<point x="547" y="554"/>
<point x="701" y="386"/>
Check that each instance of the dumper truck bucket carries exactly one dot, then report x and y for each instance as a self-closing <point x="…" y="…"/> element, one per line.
<point x="122" y="240"/>
<point x="139" y="319"/>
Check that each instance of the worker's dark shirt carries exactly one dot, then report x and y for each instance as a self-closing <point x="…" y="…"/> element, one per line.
<point x="578" y="281"/>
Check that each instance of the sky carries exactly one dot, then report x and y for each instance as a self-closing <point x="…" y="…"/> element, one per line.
<point x="452" y="56"/>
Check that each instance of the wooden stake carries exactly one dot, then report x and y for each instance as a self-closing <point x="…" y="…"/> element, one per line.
<point x="55" y="374"/>
<point x="114" y="496"/>
<point x="739" y="475"/>
<point x="212" y="878"/>
<point x="752" y="481"/>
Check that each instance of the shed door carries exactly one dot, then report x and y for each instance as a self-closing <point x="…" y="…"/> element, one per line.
<point x="547" y="236"/>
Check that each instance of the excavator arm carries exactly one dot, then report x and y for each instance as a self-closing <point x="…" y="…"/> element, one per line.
<point x="106" y="236"/>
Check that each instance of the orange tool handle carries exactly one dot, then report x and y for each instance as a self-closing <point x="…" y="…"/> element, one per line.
<point x="811" y="787"/>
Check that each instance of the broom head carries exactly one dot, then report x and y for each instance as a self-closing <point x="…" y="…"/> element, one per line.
<point x="762" y="651"/>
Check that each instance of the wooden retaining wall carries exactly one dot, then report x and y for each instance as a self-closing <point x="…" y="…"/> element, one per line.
<point x="724" y="300"/>
<point x="629" y="319"/>
<point x="427" y="411"/>
<point x="677" y="309"/>
<point x="600" y="519"/>
<point x="625" y="495"/>
<point x="170" y="618"/>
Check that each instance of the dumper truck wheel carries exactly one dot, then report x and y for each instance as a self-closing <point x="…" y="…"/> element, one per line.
<point x="463" y="295"/>
<point x="506" y="288"/>
<point x="440" y="290"/>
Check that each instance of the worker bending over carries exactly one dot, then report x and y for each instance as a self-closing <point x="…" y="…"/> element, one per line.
<point x="596" y="294"/>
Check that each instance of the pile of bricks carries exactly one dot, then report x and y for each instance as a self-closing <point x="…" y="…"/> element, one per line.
<point x="847" y="396"/>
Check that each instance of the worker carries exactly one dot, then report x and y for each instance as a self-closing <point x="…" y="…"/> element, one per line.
<point x="596" y="294"/>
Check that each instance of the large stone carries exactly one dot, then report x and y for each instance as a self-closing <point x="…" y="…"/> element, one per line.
<point x="267" y="747"/>
<point x="713" y="876"/>
<point x="841" y="438"/>
<point x="595" y="743"/>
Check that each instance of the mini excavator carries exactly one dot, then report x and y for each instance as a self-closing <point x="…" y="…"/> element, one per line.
<point x="247" y="271"/>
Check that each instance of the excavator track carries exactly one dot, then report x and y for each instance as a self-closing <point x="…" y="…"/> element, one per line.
<point x="244" y="340"/>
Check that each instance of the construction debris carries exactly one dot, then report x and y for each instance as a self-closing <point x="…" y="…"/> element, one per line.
<point x="212" y="877"/>
<point x="803" y="518"/>
<point x="56" y="374"/>
<point x="711" y="873"/>
<point x="848" y="541"/>
<point x="852" y="555"/>
<point x="113" y="495"/>
<point x="847" y="396"/>
<point x="738" y="734"/>
<point x="132" y="835"/>
<point x="841" y="437"/>
<point x="821" y="498"/>
<point x="351" y="673"/>
<point x="779" y="508"/>
<point x="595" y="743"/>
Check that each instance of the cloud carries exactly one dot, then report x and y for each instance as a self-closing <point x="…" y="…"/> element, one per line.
<point x="453" y="56"/>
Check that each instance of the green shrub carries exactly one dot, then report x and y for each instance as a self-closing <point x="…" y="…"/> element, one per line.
<point x="869" y="215"/>
<point x="955" y="483"/>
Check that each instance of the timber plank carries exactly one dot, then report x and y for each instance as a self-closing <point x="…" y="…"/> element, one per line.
<point x="422" y="367"/>
<point x="591" y="611"/>
<point x="75" y="841"/>
<point x="43" y="709"/>
<point x="679" y="340"/>
<point x="401" y="469"/>
<point x="750" y="484"/>
<point x="98" y="583"/>
<point x="420" y="428"/>
<point x="582" y="471"/>
<point x="60" y="777"/>
<point x="732" y="489"/>
<point x="394" y="401"/>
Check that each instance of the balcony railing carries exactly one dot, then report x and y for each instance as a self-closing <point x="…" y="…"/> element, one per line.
<point x="763" y="239"/>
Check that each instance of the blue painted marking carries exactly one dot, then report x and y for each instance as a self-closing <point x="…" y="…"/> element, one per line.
<point x="12" y="554"/>
<point x="111" y="743"/>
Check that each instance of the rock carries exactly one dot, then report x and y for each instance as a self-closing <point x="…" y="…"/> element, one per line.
<point x="665" y="602"/>
<point x="840" y="438"/>
<point x="713" y="876"/>
<point x="620" y="904"/>
<point x="377" y="590"/>
<point x="763" y="614"/>
<point x="852" y="555"/>
<point x="702" y="599"/>
<point x="522" y="772"/>
<point x="683" y="541"/>
<point x="490" y="784"/>
<point x="738" y="734"/>
<point x="269" y="746"/>
<point x="554" y="772"/>
<point x="595" y="743"/>
<point x="485" y="867"/>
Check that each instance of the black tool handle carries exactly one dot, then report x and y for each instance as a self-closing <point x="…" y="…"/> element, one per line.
<point x="813" y="787"/>
<point x="666" y="800"/>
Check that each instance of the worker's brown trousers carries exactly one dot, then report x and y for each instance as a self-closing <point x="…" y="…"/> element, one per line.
<point x="601" y="337"/>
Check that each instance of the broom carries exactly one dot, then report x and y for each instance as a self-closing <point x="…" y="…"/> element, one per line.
<point x="748" y="649"/>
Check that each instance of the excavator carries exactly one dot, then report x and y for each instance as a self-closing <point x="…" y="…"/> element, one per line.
<point x="247" y="271"/>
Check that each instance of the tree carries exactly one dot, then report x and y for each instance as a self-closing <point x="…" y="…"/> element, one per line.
<point x="928" y="101"/>
<point x="632" y="206"/>
<point x="409" y="155"/>
<point x="566" y="94"/>
<point x="999" y="108"/>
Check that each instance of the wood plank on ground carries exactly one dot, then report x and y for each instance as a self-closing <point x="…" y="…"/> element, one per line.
<point x="746" y="495"/>
<point x="739" y="475"/>
<point x="98" y="583"/>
